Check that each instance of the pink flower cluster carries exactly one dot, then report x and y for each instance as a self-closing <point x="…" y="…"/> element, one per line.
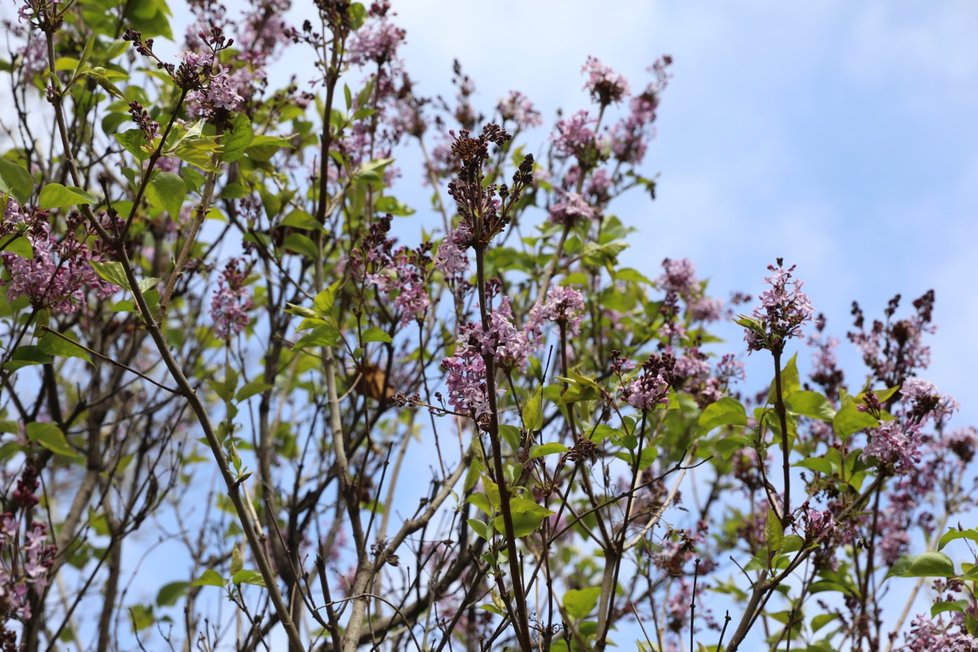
<point x="569" y="208"/>
<point x="508" y="346"/>
<point x="231" y="303"/>
<point x="404" y="280"/>
<point x="783" y="310"/>
<point x="518" y="109"/>
<point x="898" y="443"/>
<point x="25" y="563"/>
<point x="451" y="258"/>
<point x="575" y="135"/>
<point x="604" y="85"/>
<point x="377" y="41"/>
<point x="563" y="305"/>
<point x="930" y="634"/>
<point x="630" y="136"/>
<point x="60" y="274"/>
<point x="219" y="92"/>
<point x="651" y="387"/>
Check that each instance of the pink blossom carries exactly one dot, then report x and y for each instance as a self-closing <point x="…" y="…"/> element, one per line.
<point x="599" y="185"/>
<point x="604" y="85"/>
<point x="574" y="135"/>
<point x="679" y="277"/>
<point x="231" y="303"/>
<point x="651" y="387"/>
<point x="376" y="42"/>
<point x="451" y="258"/>
<point x="931" y="634"/>
<point x="563" y="305"/>
<point x="783" y="310"/>
<point x="509" y="346"/>
<point x="466" y="380"/>
<point x="569" y="208"/>
<point x="403" y="280"/>
<point x="60" y="274"/>
<point x="517" y="108"/>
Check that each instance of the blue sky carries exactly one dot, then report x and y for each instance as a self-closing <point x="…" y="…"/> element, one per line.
<point x="839" y="135"/>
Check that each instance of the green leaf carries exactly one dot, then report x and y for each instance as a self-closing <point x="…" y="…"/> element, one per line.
<point x="19" y="245"/>
<point x="374" y="334"/>
<point x="301" y="244"/>
<point x="928" y="564"/>
<point x="25" y="356"/>
<point x="170" y="593"/>
<point x="323" y="303"/>
<point x="49" y="436"/>
<point x="819" y="464"/>
<point x="850" y="420"/>
<point x="527" y="516"/>
<point x="61" y="346"/>
<point x="15" y="180"/>
<point x="373" y="170"/>
<point x="134" y="141"/>
<point x="236" y="138"/>
<point x="142" y="616"/>
<point x="725" y="412"/>
<point x="511" y="434"/>
<point x="533" y="411"/>
<point x="322" y="335"/>
<point x="945" y="606"/>
<point x="810" y="404"/>
<point x="55" y="195"/>
<point x="579" y="602"/>
<point x="952" y="535"/>
<point x="210" y="577"/>
<point x="111" y="271"/>
<point x="790" y="380"/>
<point x="263" y="148"/>
<point x="299" y="219"/>
<point x="167" y="191"/>
<point x="821" y="620"/>
<point x="481" y="528"/>
<point x="248" y="577"/>
<point x="773" y="533"/>
<point x="542" y="450"/>
<point x="251" y="388"/>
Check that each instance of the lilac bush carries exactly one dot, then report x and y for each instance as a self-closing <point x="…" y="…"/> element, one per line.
<point x="221" y="350"/>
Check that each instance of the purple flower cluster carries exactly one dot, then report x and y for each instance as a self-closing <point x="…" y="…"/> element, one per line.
<point x="231" y="303"/>
<point x="451" y="258"/>
<point x="569" y="208"/>
<point x="508" y="346"/>
<point x="465" y="377"/>
<point x="563" y="305"/>
<point x="930" y="634"/>
<point x="783" y="310"/>
<point x="898" y="443"/>
<point x="575" y="136"/>
<point x="518" y="109"/>
<point x="651" y="387"/>
<point x="819" y="523"/>
<point x="604" y="85"/>
<point x="679" y="276"/>
<point x="378" y="41"/>
<point x="631" y="135"/>
<point x="26" y="556"/>
<point x="60" y="274"/>
<point x="404" y="280"/>
<point x="219" y="92"/>
<point x="893" y="349"/>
